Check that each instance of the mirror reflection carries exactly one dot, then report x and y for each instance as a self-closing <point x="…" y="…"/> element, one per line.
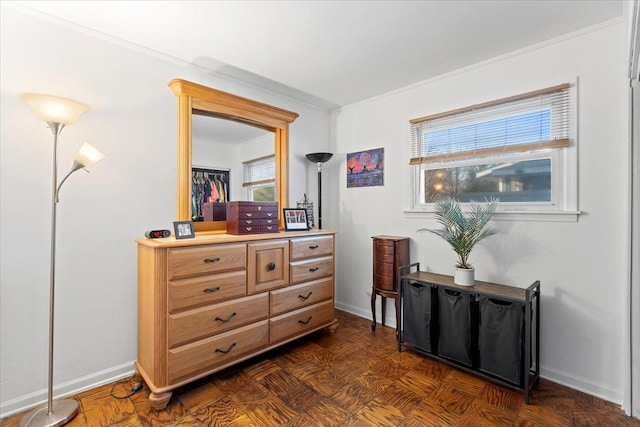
<point x="230" y="161"/>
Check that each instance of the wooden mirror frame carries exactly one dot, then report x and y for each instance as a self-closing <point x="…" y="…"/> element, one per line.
<point x="192" y="96"/>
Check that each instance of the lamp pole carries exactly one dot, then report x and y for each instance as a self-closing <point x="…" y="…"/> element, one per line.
<point x="319" y="159"/>
<point x="56" y="129"/>
<point x="319" y="196"/>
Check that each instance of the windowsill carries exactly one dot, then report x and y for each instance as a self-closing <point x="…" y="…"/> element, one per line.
<point x="513" y="215"/>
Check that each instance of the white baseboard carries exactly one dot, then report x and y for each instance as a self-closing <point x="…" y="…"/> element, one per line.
<point x="78" y="385"/>
<point x="357" y="311"/>
<point x="389" y="321"/>
<point x="581" y="384"/>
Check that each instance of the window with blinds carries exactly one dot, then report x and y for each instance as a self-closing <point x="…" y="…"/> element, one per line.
<point x="259" y="179"/>
<point x="532" y="121"/>
<point x="511" y="149"/>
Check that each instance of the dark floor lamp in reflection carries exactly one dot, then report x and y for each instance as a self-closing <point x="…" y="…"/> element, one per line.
<point x="319" y="159"/>
<point x="57" y="112"/>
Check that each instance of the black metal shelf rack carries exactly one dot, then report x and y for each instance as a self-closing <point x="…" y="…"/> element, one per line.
<point x="489" y="330"/>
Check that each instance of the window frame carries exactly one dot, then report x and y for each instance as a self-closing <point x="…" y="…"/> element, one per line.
<point x="564" y="175"/>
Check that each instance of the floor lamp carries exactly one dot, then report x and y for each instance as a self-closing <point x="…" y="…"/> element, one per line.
<point x="319" y="158"/>
<point x="57" y="112"/>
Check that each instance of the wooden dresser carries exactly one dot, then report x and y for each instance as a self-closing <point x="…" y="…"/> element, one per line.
<point x="389" y="254"/>
<point x="207" y="303"/>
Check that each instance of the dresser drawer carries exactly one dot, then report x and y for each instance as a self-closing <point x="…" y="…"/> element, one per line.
<point x="383" y="282"/>
<point x="204" y="355"/>
<point x="254" y="229"/>
<point x="267" y="268"/>
<point x="295" y="297"/>
<point x="311" y="269"/>
<point x="266" y="222"/>
<point x="383" y="275"/>
<point x="201" y="290"/>
<point x="269" y="228"/>
<point x="270" y="212"/>
<point x="258" y="222"/>
<point x="210" y="320"/>
<point x="385" y="253"/>
<point x="311" y="247"/>
<point x="296" y="322"/>
<point x="246" y="209"/>
<point x="249" y="222"/>
<point x="184" y="262"/>
<point x="246" y="229"/>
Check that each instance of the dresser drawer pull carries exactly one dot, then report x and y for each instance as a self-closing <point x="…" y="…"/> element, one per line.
<point x="305" y="297"/>
<point x="271" y="266"/>
<point x="305" y="322"/>
<point x="248" y="221"/>
<point x="248" y="228"/>
<point x="231" y="316"/>
<point x="313" y="247"/>
<point x="248" y="214"/>
<point x="269" y="214"/>
<point x="314" y="269"/>
<point x="227" y="350"/>
<point x="209" y="290"/>
<point x="216" y="259"/>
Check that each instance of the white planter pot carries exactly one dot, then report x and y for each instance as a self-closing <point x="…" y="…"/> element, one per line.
<point x="464" y="276"/>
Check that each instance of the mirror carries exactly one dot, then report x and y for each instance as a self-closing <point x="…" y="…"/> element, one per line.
<point x="195" y="99"/>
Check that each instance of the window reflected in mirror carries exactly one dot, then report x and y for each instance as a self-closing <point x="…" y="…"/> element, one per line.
<point x="260" y="179"/>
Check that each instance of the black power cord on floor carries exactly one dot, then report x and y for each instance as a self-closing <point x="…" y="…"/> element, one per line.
<point x="135" y="385"/>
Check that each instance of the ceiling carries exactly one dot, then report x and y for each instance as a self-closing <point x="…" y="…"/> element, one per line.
<point x="330" y="53"/>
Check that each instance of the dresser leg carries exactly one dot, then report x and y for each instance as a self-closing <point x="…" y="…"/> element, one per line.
<point x="373" y="309"/>
<point x="158" y="401"/>
<point x="384" y="309"/>
<point x="332" y="328"/>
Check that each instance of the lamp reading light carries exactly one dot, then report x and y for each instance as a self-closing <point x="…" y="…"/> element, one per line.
<point x="85" y="157"/>
<point x="57" y="112"/>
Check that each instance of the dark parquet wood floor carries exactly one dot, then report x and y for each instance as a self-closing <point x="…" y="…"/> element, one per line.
<point x="354" y="377"/>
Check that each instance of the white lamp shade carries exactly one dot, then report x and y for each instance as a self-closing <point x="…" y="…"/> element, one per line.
<point x="88" y="155"/>
<point x="55" y="109"/>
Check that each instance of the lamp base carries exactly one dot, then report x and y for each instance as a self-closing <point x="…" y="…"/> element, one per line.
<point x="63" y="412"/>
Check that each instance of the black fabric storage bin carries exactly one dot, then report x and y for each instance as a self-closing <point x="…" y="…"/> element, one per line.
<point x="418" y="318"/>
<point x="501" y="339"/>
<point x="457" y="338"/>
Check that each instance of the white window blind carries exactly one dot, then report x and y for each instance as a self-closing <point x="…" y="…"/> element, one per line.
<point x="259" y="171"/>
<point x="521" y="123"/>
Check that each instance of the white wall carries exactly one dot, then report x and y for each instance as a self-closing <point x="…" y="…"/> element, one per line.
<point x="582" y="265"/>
<point x="214" y="155"/>
<point x="133" y="121"/>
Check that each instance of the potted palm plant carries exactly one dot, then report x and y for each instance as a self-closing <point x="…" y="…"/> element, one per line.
<point x="463" y="232"/>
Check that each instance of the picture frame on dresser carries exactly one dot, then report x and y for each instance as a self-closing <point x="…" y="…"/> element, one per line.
<point x="183" y="229"/>
<point x="295" y="219"/>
